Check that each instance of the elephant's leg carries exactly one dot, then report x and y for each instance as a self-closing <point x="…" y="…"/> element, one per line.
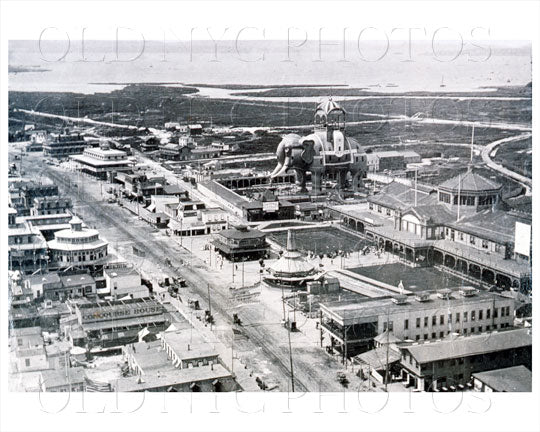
<point x="301" y="180"/>
<point x="341" y="179"/>
<point x="356" y="180"/>
<point x="316" y="177"/>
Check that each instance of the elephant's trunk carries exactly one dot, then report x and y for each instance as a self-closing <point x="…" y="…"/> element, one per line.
<point x="276" y="169"/>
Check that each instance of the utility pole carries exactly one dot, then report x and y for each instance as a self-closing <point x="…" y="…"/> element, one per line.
<point x="472" y="143"/>
<point x="387" y="349"/>
<point x="210" y="306"/>
<point x="416" y="187"/>
<point x="290" y="356"/>
<point x="458" y="197"/>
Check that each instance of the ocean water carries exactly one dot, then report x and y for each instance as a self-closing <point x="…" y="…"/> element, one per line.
<point x="103" y="66"/>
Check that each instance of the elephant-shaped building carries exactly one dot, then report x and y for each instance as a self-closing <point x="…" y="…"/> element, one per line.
<point x="325" y="153"/>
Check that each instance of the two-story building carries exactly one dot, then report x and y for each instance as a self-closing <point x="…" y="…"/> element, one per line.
<point x="27" y="248"/>
<point x="77" y="246"/>
<point x="351" y="326"/>
<point x="102" y="162"/>
<point x="240" y="243"/>
<point x="451" y="363"/>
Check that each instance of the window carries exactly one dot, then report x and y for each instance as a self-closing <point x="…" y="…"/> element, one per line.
<point x="433" y="335"/>
<point x="417" y="337"/>
<point x="480" y="329"/>
<point x="441" y="334"/>
<point x="461" y="236"/>
<point x="417" y="322"/>
<point x="488" y="313"/>
<point x="472" y="240"/>
<point x="507" y="310"/>
<point x="425" y="321"/>
<point x="425" y="336"/>
<point x="496" y="313"/>
<point x="449" y="318"/>
<point x="406" y="325"/>
<point x="27" y="362"/>
<point x="485" y="244"/>
<point x="457" y="317"/>
<point x="434" y="320"/>
<point x="488" y="328"/>
<point x="473" y="315"/>
<point x="441" y="320"/>
<point x="480" y="315"/>
<point x="444" y="197"/>
<point x="464" y="331"/>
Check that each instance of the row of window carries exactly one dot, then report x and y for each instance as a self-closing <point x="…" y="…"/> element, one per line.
<point x="473" y="330"/>
<point x="505" y="311"/>
<point x="78" y="257"/>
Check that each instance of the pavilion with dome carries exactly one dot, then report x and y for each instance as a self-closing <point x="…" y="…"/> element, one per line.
<point x="462" y="225"/>
<point x="76" y="246"/>
<point x="291" y="270"/>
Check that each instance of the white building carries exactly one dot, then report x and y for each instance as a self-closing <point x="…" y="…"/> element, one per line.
<point x="77" y="246"/>
<point x="102" y="162"/>
<point x="122" y="280"/>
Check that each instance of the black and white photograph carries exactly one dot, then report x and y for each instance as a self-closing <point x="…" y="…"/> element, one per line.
<point x="268" y="215"/>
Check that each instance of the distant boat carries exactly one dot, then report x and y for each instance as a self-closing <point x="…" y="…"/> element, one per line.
<point x="391" y="85"/>
<point x="374" y="85"/>
<point x="442" y="82"/>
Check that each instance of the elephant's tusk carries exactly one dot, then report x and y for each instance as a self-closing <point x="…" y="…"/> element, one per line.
<point x="284" y="168"/>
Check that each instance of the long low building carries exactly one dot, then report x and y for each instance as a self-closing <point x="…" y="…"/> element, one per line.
<point x="102" y="162"/>
<point x="179" y="361"/>
<point x="115" y="323"/>
<point x="451" y="363"/>
<point x="462" y="226"/>
<point x="351" y="326"/>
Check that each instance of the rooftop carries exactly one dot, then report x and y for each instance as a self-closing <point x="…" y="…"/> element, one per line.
<point x="172" y="377"/>
<point x="239" y="234"/>
<point x="76" y="280"/>
<point x="400" y="196"/>
<point x="377" y="357"/>
<point x="470" y="345"/>
<point x="469" y="182"/>
<point x="352" y="310"/>
<point x="60" y="378"/>
<point x="511" y="379"/>
<point x="40" y="279"/>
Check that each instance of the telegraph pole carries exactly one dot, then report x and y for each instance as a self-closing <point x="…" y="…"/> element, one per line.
<point x="290" y="355"/>
<point x="210" y="306"/>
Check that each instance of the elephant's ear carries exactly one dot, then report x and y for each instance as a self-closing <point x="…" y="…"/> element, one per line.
<point x="308" y="153"/>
